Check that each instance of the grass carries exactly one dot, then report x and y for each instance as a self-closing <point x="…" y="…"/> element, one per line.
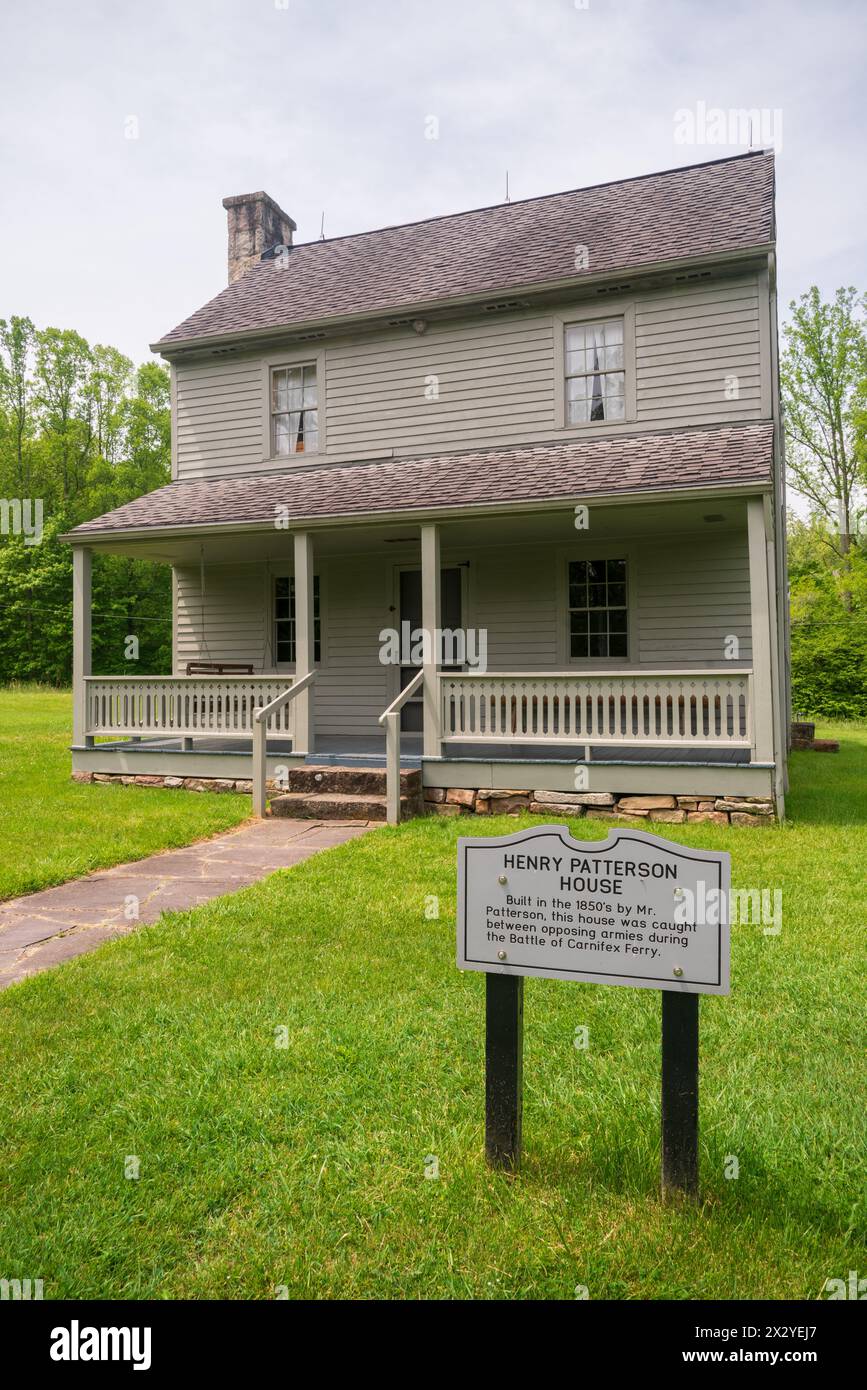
<point x="303" y="1167"/>
<point x="53" y="829"/>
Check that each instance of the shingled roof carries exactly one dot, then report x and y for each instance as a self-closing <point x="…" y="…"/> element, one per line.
<point x="705" y="209"/>
<point x="480" y="478"/>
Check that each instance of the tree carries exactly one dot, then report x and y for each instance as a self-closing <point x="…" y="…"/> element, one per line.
<point x="17" y="339"/>
<point x="83" y="433"/>
<point x="823" y="372"/>
<point x="829" y="623"/>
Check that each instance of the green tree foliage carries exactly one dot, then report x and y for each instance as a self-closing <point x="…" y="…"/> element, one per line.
<point x="823" y="374"/>
<point x="829" y="623"/>
<point x="82" y="432"/>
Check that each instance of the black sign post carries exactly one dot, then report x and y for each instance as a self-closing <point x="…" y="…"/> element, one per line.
<point x="504" y="1075"/>
<point x="679" y="1094"/>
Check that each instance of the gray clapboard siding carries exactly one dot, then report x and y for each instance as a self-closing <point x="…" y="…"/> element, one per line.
<point x="688" y="344"/>
<point x="230" y="624"/>
<point x="495" y="380"/>
<point x="691" y="596"/>
<point x="377" y="392"/>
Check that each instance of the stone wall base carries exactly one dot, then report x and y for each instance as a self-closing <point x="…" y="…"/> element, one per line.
<point x="669" y="810"/>
<point x="190" y="784"/>
<point x="457" y="801"/>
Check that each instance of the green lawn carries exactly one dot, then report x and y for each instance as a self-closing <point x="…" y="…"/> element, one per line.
<point x="304" y="1166"/>
<point x="53" y="829"/>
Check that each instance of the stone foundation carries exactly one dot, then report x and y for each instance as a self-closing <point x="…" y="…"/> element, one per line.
<point x="457" y="801"/>
<point x="190" y="784"/>
<point x="668" y="810"/>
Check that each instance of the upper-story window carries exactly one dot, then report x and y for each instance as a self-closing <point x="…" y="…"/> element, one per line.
<point x="294" y="410"/>
<point x="595" y="373"/>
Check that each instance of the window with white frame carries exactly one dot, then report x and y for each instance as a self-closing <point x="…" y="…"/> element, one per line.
<point x="597" y="609"/>
<point x="284" y="619"/>
<point x="595" y="372"/>
<point x="294" y="410"/>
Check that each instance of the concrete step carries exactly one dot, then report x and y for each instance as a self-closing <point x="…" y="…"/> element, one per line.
<point x="350" y="781"/>
<point x="340" y="806"/>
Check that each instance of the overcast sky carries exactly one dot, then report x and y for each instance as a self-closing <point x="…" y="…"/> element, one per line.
<point x="326" y="103"/>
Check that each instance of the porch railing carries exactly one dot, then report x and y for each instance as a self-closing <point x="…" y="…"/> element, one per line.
<point x="263" y="720"/>
<point x="390" y="721"/>
<point x="218" y="707"/>
<point x="708" y="709"/>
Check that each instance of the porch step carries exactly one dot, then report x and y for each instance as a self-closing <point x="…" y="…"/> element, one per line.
<point x="340" y="806"/>
<point x="350" y="781"/>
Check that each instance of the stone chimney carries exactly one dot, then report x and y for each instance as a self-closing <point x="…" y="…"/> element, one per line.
<point x="256" y="224"/>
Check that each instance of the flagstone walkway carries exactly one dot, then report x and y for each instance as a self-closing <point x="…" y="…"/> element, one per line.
<point x="56" y="924"/>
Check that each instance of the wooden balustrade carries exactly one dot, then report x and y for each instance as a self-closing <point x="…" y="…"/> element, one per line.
<point x="216" y="706"/>
<point x="660" y="709"/>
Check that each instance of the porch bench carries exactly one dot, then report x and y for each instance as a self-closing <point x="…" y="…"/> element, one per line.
<point x="219" y="668"/>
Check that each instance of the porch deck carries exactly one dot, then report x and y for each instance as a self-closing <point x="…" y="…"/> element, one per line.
<point x="369" y="751"/>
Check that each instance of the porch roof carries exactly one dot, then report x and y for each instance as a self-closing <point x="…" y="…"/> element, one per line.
<point x="475" y="480"/>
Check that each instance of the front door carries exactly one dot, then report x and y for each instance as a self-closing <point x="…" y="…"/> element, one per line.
<point x="451" y="616"/>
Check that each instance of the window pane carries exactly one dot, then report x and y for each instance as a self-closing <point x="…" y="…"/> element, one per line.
<point x="596" y="571"/>
<point x="598" y="646"/>
<point x="614" y="331"/>
<point x="576" y="388"/>
<point x="577" y="571"/>
<point x="617" y="644"/>
<point x="616" y="595"/>
<point x="574" y="338"/>
<point x="616" y="571"/>
<point x="279" y="395"/>
<point x="309" y="398"/>
<point x="597" y="595"/>
<point x="294" y="379"/>
<point x="578" y="412"/>
<point x="595" y="336"/>
<point x="282" y="609"/>
<point x="614" y="356"/>
<point x="614" y="384"/>
<point x="617" y="620"/>
<point x="598" y="621"/>
<point x="615" y="408"/>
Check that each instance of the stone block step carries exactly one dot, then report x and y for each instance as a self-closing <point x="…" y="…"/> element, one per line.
<point x="340" y="806"/>
<point x="349" y="781"/>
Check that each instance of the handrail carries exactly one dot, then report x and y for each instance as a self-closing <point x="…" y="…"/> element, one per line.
<point x="254" y="676"/>
<point x="397" y="705"/>
<point x="614" y="672"/>
<point x="260" y="733"/>
<point x="280" y="700"/>
<point x="390" y="718"/>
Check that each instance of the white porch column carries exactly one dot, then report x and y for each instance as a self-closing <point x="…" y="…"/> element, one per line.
<point x="303" y="741"/>
<point x="760" y="615"/>
<point x="430" y="621"/>
<point x="81" y="643"/>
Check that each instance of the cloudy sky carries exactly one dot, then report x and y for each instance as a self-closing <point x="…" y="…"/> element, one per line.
<point x="326" y="104"/>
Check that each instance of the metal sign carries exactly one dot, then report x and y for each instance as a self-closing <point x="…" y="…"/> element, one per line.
<point x="630" y="910"/>
<point x="634" y="909"/>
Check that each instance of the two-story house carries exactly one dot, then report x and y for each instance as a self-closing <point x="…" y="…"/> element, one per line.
<point x="549" y="430"/>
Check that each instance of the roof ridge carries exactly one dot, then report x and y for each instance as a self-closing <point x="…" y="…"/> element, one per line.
<point x="536" y="198"/>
